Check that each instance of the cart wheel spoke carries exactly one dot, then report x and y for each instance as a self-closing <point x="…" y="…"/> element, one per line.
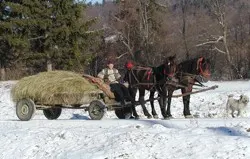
<point x="97" y="110"/>
<point x="25" y="109"/>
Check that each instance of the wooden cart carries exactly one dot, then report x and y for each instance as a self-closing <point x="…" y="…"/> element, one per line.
<point x="95" y="102"/>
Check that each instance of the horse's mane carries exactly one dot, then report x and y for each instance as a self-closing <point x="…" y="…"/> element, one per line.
<point x="186" y="62"/>
<point x="158" y="69"/>
<point x="188" y="65"/>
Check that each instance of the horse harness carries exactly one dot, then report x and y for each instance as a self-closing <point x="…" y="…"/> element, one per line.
<point x="182" y="76"/>
<point x="187" y="76"/>
<point x="147" y="75"/>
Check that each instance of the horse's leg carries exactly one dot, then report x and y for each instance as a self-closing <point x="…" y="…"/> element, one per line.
<point x="186" y="102"/>
<point x="164" y="99"/>
<point x="151" y="98"/>
<point x="142" y="102"/>
<point x="132" y="92"/>
<point x="162" y="102"/>
<point x="170" y="94"/>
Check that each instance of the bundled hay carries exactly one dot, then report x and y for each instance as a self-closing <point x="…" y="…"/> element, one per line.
<point x="55" y="87"/>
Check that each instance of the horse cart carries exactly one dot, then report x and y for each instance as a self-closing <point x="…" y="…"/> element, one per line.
<point x="96" y="102"/>
<point x="33" y="94"/>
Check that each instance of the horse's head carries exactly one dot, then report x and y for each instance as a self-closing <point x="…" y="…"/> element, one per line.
<point x="170" y="66"/>
<point x="203" y="68"/>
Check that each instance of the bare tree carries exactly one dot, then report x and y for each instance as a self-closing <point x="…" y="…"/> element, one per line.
<point x="184" y="5"/>
<point x="218" y="8"/>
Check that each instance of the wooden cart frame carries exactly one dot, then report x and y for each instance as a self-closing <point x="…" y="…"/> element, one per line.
<point x="26" y="108"/>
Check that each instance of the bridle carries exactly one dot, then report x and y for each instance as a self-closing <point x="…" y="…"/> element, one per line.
<point x="202" y="72"/>
<point x="170" y="74"/>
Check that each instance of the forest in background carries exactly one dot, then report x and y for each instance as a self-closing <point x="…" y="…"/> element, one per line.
<point x="41" y="35"/>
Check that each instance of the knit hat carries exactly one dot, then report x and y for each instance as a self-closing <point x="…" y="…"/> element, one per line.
<point x="129" y="65"/>
<point x="110" y="62"/>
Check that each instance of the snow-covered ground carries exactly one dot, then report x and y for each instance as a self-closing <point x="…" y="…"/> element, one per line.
<point x="212" y="134"/>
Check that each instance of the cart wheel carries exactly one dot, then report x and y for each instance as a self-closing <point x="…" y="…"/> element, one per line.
<point x="97" y="110"/>
<point x="25" y="109"/>
<point x="52" y="113"/>
<point x="120" y="113"/>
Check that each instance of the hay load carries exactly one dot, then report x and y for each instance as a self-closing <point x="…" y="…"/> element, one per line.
<point x="55" y="87"/>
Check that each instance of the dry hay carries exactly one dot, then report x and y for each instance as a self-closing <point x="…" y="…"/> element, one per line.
<point x="55" y="87"/>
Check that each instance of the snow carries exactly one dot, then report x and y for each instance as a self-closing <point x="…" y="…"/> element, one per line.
<point x="212" y="134"/>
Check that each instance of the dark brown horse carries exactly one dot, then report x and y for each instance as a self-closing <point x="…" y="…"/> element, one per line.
<point x="152" y="79"/>
<point x="189" y="73"/>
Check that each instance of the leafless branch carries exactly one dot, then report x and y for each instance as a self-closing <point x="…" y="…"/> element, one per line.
<point x="216" y="49"/>
<point x="122" y="55"/>
<point x="118" y="19"/>
<point x="127" y="45"/>
<point x="211" y="42"/>
<point x="161" y="5"/>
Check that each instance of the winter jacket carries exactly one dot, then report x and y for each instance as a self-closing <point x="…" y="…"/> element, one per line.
<point x="109" y="75"/>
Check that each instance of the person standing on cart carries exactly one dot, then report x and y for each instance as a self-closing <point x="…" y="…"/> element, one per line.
<point x="111" y="76"/>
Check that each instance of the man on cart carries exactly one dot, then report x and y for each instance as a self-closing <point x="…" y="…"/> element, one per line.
<point x="111" y="76"/>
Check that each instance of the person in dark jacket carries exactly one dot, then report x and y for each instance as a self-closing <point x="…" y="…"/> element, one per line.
<point x="111" y="76"/>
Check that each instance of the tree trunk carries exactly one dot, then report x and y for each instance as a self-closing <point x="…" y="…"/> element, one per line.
<point x="184" y="17"/>
<point x="3" y="74"/>
<point x="49" y="65"/>
<point x="229" y="59"/>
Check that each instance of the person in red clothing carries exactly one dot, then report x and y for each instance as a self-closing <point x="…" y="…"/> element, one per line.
<point x="111" y="76"/>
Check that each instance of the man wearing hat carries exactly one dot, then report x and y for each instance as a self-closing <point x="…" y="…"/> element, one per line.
<point x="111" y="76"/>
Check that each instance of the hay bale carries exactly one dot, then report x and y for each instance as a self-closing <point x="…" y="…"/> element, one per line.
<point x="54" y="87"/>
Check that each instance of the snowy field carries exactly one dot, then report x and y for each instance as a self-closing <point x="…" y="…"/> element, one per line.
<point x="211" y="135"/>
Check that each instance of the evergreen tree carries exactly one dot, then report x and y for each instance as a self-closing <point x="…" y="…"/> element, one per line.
<point x="13" y="39"/>
<point x="59" y="33"/>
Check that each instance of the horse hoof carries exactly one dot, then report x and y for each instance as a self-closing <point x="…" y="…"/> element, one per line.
<point x="137" y="117"/>
<point x="189" y="116"/>
<point x="149" y="116"/>
<point x="128" y="116"/>
<point x="168" y="117"/>
<point x="156" y="116"/>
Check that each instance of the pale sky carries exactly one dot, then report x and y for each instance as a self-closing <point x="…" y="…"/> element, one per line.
<point x="93" y="1"/>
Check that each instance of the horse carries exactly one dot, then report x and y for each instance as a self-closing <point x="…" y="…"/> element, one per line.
<point x="152" y="79"/>
<point x="187" y="74"/>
